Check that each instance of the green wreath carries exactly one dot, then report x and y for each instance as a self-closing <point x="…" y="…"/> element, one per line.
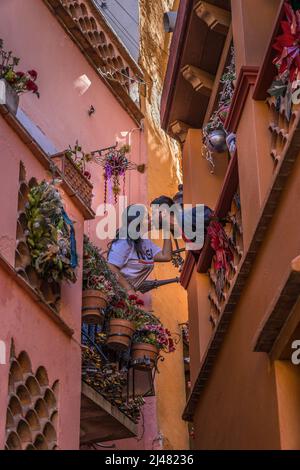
<point x="50" y="234"/>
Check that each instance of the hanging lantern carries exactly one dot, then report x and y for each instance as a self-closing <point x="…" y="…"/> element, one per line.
<point x="216" y="141"/>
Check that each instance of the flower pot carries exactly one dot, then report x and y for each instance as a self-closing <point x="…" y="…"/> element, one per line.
<point x="8" y="97"/>
<point x="93" y="301"/>
<point x="143" y="356"/>
<point x="120" y="334"/>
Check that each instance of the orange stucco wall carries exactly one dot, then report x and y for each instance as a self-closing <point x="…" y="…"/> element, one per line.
<point x="244" y="404"/>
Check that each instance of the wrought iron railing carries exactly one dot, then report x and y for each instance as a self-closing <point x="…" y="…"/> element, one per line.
<point x="113" y="375"/>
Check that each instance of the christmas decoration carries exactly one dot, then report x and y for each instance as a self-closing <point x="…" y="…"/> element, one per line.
<point x="287" y="59"/>
<point x="214" y="132"/>
<point x="223" y="254"/>
<point x="50" y="234"/>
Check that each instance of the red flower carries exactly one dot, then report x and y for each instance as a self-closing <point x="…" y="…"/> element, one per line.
<point x="31" y="86"/>
<point x="132" y="297"/>
<point x="140" y="302"/>
<point x="87" y="174"/>
<point x="287" y="44"/>
<point x="33" y="74"/>
<point x="120" y="304"/>
<point x="171" y="345"/>
<point x="20" y="74"/>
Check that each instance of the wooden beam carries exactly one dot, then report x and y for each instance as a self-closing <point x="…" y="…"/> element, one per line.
<point x="216" y="18"/>
<point x="200" y="80"/>
<point x="179" y="129"/>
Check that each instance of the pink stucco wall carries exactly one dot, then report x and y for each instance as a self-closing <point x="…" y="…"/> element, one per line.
<point x="33" y="34"/>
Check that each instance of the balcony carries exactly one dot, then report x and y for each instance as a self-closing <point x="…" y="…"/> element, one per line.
<point x="201" y="34"/>
<point x="77" y="183"/>
<point x="112" y="392"/>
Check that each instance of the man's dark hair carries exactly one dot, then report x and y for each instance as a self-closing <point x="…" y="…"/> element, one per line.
<point x="163" y="200"/>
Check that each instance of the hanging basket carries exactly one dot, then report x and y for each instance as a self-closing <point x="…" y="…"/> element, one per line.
<point x="93" y="302"/>
<point x="120" y="334"/>
<point x="143" y="356"/>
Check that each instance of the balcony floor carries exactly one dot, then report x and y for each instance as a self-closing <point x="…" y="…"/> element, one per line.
<point x="100" y="421"/>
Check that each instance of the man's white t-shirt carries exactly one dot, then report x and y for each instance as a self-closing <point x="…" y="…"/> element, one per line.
<point x="135" y="267"/>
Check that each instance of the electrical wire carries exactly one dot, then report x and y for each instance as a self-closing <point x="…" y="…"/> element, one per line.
<point x="129" y="14"/>
<point x="126" y="33"/>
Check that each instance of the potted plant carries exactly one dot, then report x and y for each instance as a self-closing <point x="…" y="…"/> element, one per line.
<point x="98" y="289"/>
<point x="121" y="326"/>
<point x="79" y="158"/>
<point x="12" y="82"/>
<point x="148" y="341"/>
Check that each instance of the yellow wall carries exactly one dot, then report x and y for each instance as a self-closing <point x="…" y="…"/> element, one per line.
<point x="164" y="174"/>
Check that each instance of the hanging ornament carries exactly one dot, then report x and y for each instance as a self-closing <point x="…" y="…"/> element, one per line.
<point x="214" y="132"/>
<point x="115" y="164"/>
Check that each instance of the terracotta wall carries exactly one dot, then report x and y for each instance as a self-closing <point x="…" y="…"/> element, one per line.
<point x="34" y="34"/>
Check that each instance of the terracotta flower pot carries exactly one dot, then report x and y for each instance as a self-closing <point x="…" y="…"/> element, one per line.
<point x="93" y="301"/>
<point x="120" y="334"/>
<point x="144" y="355"/>
<point x="8" y="97"/>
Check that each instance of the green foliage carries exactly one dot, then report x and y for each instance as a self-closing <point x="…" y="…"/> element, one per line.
<point x="96" y="273"/>
<point x="48" y="234"/>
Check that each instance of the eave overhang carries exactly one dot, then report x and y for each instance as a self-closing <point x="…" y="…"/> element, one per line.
<point x="101" y="47"/>
<point x="195" y="52"/>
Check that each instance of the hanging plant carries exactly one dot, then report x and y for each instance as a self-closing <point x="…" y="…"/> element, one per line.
<point x="94" y="265"/>
<point x="156" y="335"/>
<point x="115" y="164"/>
<point x="214" y="132"/>
<point x="21" y="82"/>
<point x="50" y="234"/>
<point x="287" y="60"/>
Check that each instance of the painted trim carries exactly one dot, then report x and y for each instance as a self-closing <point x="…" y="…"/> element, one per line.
<point x="173" y="69"/>
<point x="246" y="79"/>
